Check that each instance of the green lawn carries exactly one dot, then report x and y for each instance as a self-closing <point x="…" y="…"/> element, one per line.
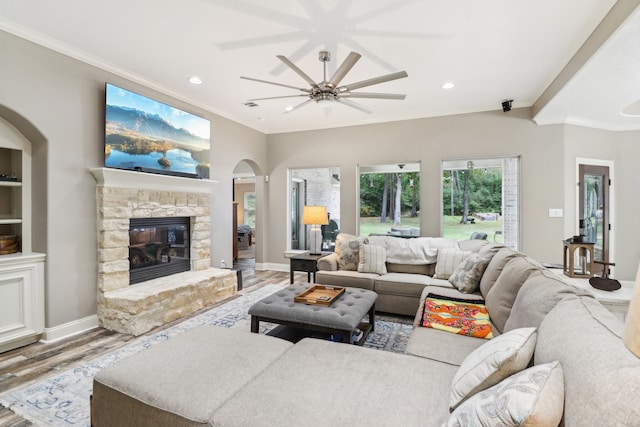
<point x="452" y="227"/>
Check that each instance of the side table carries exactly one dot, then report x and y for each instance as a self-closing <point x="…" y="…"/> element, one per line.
<point x="305" y="262"/>
<point x="586" y="255"/>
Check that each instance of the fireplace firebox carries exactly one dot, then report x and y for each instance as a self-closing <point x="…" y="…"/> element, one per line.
<point x="158" y="247"/>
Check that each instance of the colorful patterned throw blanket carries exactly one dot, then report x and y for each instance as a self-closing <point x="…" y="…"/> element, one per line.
<point x="459" y="316"/>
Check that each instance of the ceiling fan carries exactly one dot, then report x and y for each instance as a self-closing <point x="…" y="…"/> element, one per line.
<point x="328" y="91"/>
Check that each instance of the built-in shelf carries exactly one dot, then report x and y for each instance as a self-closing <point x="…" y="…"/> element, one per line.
<point x="22" y="272"/>
<point x="10" y="220"/>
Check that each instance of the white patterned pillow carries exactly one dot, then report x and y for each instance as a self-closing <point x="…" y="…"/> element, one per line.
<point x="466" y="277"/>
<point x="447" y="261"/>
<point x="533" y="397"/>
<point x="372" y="259"/>
<point x="347" y="247"/>
<point x="492" y="362"/>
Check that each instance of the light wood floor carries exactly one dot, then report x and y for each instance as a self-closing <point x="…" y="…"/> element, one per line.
<point x="33" y="363"/>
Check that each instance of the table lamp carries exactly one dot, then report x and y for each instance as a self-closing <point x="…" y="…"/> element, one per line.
<point x="315" y="216"/>
<point x="631" y="336"/>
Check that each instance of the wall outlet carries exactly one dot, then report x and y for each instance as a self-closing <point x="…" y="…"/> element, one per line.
<point x="222" y="264"/>
<point x="555" y="213"/>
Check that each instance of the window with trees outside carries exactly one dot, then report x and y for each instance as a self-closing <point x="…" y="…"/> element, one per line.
<point x="480" y="200"/>
<point x="389" y="199"/>
<point x="250" y="209"/>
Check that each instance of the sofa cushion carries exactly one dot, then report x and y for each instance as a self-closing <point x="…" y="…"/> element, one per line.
<point x="402" y="284"/>
<point x="497" y="263"/>
<point x="602" y="377"/>
<point x="371" y="259"/>
<point x="346" y="278"/>
<point x="440" y="345"/>
<point x="171" y="382"/>
<point x="426" y="269"/>
<point x="532" y="397"/>
<point x="492" y="362"/>
<point x="503" y="293"/>
<point x="386" y="388"/>
<point x="537" y="296"/>
<point x="347" y="247"/>
<point x="466" y="277"/>
<point x="448" y="260"/>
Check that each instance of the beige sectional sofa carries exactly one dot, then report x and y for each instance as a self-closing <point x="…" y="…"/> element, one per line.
<point x="557" y="357"/>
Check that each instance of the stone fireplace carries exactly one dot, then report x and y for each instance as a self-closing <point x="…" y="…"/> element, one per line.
<point x="123" y="196"/>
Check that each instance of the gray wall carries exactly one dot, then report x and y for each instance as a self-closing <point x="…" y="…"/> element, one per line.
<point x="58" y="103"/>
<point x="429" y="141"/>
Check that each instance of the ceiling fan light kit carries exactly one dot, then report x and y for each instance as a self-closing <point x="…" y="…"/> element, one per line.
<point x="327" y="92"/>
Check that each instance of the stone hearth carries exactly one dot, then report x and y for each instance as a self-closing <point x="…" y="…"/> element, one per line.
<point x="122" y="195"/>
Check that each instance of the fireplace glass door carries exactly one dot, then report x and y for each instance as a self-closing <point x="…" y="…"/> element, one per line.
<point x="158" y="247"/>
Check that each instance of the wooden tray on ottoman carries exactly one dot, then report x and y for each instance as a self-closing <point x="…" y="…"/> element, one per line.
<point x="320" y="295"/>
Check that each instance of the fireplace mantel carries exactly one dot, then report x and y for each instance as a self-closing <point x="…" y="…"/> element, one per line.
<point x="121" y="178"/>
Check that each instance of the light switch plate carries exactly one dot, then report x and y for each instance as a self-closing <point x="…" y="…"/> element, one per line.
<point x="555" y="213"/>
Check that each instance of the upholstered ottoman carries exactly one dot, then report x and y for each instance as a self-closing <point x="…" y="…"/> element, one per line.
<point x="182" y="381"/>
<point x="342" y="317"/>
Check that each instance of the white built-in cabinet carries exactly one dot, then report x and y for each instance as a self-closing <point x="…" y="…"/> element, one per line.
<point x="22" y="273"/>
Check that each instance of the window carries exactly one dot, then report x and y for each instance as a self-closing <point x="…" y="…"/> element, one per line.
<point x="250" y="209"/>
<point x="313" y="186"/>
<point x="480" y="200"/>
<point x="389" y="199"/>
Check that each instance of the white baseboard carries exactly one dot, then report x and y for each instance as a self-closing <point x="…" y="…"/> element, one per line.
<point x="69" y="329"/>
<point x="272" y="266"/>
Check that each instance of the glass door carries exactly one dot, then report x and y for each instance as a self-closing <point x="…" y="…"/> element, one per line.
<point x="594" y="222"/>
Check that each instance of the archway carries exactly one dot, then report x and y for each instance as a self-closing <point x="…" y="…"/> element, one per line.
<point x="247" y="199"/>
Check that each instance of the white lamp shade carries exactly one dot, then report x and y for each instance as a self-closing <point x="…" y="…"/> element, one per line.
<point x="631" y="335"/>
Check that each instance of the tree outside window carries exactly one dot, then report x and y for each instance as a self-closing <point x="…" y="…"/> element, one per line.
<point x="250" y="209"/>
<point x="390" y="199"/>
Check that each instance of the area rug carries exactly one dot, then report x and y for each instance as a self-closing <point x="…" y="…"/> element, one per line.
<point x="63" y="400"/>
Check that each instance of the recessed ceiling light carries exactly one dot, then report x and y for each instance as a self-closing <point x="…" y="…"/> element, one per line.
<point x="195" y="80"/>
<point x="289" y="108"/>
<point x="448" y="85"/>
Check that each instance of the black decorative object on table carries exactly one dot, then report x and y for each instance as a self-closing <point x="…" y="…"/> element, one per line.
<point x="604" y="283"/>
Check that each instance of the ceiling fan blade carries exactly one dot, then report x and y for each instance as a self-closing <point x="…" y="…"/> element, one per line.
<point x="375" y="81"/>
<point x="297" y="70"/>
<point x="344" y="68"/>
<point x="353" y="105"/>
<point x="277" y="84"/>
<point x="277" y="97"/>
<point x="373" y="95"/>
<point x="298" y="106"/>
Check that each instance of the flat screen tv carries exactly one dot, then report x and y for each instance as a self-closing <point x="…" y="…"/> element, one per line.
<point x="148" y="136"/>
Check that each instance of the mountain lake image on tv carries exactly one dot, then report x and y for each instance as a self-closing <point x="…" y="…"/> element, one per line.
<point x="146" y="135"/>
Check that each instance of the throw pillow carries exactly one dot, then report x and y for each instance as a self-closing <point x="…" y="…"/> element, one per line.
<point x="459" y="316"/>
<point x="347" y="247"/>
<point x="533" y="397"/>
<point x="466" y="277"/>
<point x="447" y="261"/>
<point x="372" y="259"/>
<point x="492" y="362"/>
